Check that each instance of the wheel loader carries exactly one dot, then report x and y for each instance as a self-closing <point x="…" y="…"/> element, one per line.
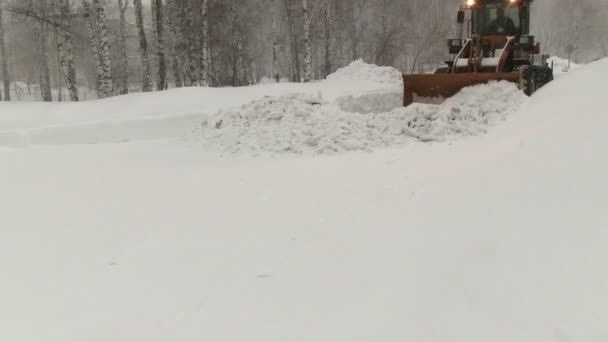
<point x="497" y="47"/>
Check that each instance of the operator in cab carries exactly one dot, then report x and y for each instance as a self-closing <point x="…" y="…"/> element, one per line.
<point x="502" y="25"/>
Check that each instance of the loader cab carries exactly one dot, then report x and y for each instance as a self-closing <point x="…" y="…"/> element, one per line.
<point x="486" y="13"/>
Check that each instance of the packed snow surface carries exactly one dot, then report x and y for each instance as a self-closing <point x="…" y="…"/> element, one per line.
<point x="168" y="114"/>
<point x="498" y="237"/>
<point x="301" y="123"/>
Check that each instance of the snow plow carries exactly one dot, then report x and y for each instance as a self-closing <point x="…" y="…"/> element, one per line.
<point x="498" y="47"/>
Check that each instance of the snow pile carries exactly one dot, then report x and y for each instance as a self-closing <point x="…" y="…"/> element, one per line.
<point x="469" y="112"/>
<point x="301" y="123"/>
<point x="359" y="71"/>
<point x="371" y="103"/>
<point x="293" y="123"/>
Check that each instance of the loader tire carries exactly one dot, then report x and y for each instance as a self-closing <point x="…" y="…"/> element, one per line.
<point x="534" y="77"/>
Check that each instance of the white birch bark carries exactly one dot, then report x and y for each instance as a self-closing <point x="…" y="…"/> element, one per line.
<point x="143" y="46"/>
<point x="275" y="44"/>
<point x="67" y="56"/>
<point x="192" y="45"/>
<point x="174" y="27"/>
<point x="328" y="66"/>
<point x="45" y="73"/>
<point x="295" y="47"/>
<point x="161" y="81"/>
<point x="43" y="56"/>
<point x="123" y="5"/>
<point x="106" y="59"/>
<point x="94" y="46"/>
<point x="307" y="44"/>
<point x="237" y="47"/>
<point x="4" y="60"/>
<point x="204" y="44"/>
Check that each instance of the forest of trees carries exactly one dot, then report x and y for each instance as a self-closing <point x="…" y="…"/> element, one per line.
<point x="60" y="50"/>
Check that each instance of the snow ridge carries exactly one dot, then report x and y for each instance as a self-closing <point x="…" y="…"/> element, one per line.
<point x="300" y="123"/>
<point x="359" y="71"/>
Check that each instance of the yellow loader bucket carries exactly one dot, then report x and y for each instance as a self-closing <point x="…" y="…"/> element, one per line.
<point x="434" y="87"/>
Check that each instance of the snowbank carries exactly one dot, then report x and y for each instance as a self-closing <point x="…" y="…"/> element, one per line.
<point x="359" y="71"/>
<point x="306" y="124"/>
<point x="561" y="65"/>
<point x="134" y="117"/>
<point x="168" y="114"/>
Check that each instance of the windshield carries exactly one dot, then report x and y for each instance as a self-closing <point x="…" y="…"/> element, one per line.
<point x="497" y="19"/>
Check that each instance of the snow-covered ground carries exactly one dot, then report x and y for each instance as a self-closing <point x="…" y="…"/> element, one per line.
<point x="168" y="114"/>
<point x="561" y="66"/>
<point x="496" y="237"/>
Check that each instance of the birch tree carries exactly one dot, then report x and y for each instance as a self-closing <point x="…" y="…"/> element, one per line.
<point x="204" y="43"/>
<point x="161" y="82"/>
<point x="191" y="46"/>
<point x="143" y="46"/>
<point x="176" y="32"/>
<point x="61" y="59"/>
<point x="4" y="60"/>
<point x="65" y="50"/>
<point x="328" y="67"/>
<point x="43" y="55"/>
<point x="123" y="5"/>
<point x="275" y="44"/>
<point x="307" y="45"/>
<point x="93" y="42"/>
<point x="237" y="47"/>
<point x="295" y="49"/>
<point x="106" y="60"/>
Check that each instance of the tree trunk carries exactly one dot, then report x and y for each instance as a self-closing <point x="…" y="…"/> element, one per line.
<point x="106" y="59"/>
<point x="161" y="82"/>
<point x="192" y="46"/>
<point x="143" y="46"/>
<point x="328" y="66"/>
<point x="275" y="45"/>
<point x="354" y="31"/>
<point x="124" y="59"/>
<point x="238" y="67"/>
<point x="62" y="64"/>
<point x="67" y="56"/>
<point x="94" y="46"/>
<point x="204" y="44"/>
<point x="295" y="47"/>
<point x="307" y="45"/>
<point x="3" y="56"/>
<point x="45" y="73"/>
<point x="152" y="48"/>
<point x="235" y="40"/>
<point x="174" y="27"/>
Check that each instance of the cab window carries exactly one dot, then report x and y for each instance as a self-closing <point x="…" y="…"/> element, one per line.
<point x="487" y="23"/>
